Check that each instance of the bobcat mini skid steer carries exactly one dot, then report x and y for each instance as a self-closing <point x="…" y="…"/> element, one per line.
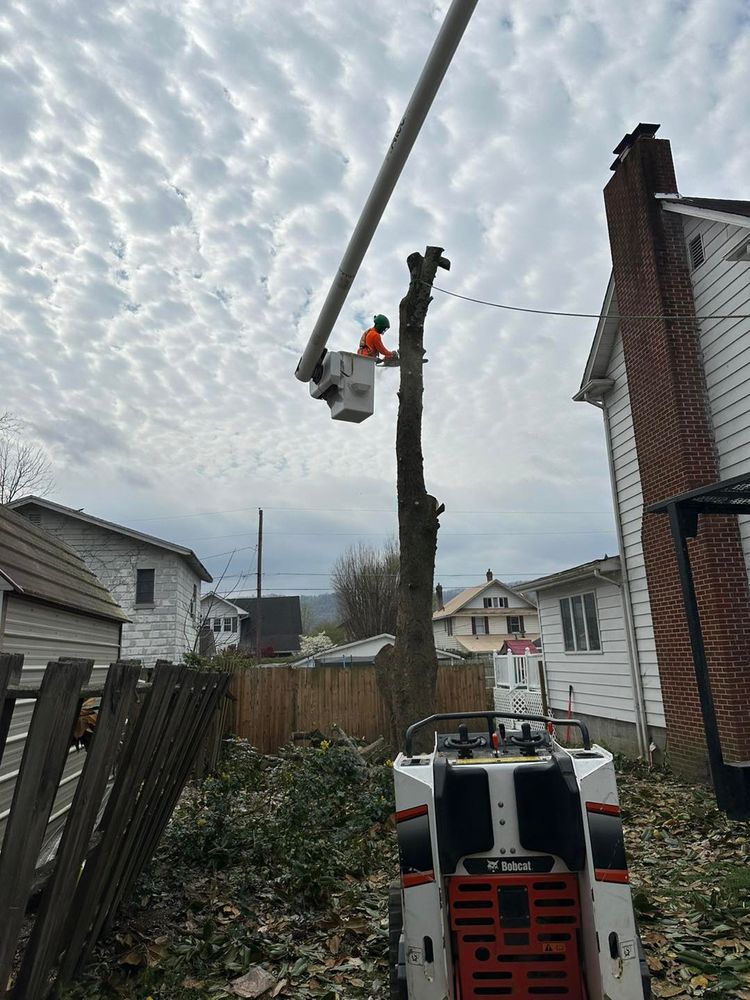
<point x="513" y="881"/>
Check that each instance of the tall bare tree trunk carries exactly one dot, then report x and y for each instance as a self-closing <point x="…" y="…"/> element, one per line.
<point x="408" y="672"/>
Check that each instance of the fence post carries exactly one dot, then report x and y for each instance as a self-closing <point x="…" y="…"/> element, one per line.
<point x="10" y="673"/>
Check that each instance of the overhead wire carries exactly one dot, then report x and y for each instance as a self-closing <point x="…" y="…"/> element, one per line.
<point x="579" y="315"/>
<point x="364" y="510"/>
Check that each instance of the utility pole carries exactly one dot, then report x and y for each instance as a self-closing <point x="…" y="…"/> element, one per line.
<point x="258" y="614"/>
<point x="407" y="672"/>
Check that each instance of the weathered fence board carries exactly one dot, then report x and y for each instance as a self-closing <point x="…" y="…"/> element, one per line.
<point x="274" y="702"/>
<point x="10" y="673"/>
<point x="98" y="882"/>
<point x="148" y="736"/>
<point x="44" y="946"/>
<point x="36" y="786"/>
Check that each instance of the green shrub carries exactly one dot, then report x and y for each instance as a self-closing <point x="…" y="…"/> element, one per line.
<point x="304" y="821"/>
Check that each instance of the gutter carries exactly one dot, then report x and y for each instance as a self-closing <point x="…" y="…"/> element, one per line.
<point x="644" y="739"/>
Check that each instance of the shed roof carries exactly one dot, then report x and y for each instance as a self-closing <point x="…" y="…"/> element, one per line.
<point x="520" y="646"/>
<point x="190" y="557"/>
<point x="36" y="564"/>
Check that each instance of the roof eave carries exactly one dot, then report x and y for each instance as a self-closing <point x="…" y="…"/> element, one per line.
<point x="601" y="347"/>
<point x="711" y="214"/>
<point x="576" y="573"/>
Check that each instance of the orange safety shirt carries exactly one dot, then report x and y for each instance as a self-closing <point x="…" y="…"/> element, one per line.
<point x="371" y="345"/>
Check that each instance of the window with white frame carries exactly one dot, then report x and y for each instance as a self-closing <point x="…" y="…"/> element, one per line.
<point x="514" y="623"/>
<point x="580" y="623"/>
<point x="449" y="626"/>
<point x="217" y="625"/>
<point x="487" y="602"/>
<point x="499" y="602"/>
<point x="227" y="624"/>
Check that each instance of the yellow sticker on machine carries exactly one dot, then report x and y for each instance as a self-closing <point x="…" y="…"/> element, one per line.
<point x="501" y="760"/>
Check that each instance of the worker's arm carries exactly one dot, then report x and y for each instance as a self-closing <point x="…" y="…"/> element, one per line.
<point x="376" y="341"/>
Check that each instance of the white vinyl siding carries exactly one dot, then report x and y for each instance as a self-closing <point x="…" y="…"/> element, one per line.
<point x="628" y="503"/>
<point x="222" y="620"/>
<point x="43" y="633"/>
<point x="723" y="287"/>
<point x="602" y="683"/>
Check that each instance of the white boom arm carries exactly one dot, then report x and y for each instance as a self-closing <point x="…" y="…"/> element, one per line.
<point x="439" y="59"/>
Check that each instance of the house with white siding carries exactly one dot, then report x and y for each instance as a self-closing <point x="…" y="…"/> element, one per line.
<point x="51" y="607"/>
<point x="480" y="619"/>
<point x="222" y="618"/>
<point x="156" y="582"/>
<point x="590" y="656"/>
<point x="669" y="371"/>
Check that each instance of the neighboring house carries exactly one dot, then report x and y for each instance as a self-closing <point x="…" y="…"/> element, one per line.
<point x="156" y="582"/>
<point x="280" y="624"/>
<point x="588" y="646"/>
<point x="51" y="607"/>
<point x="669" y="371"/>
<point x="480" y="619"/>
<point x="222" y="618"/>
<point x="362" y="652"/>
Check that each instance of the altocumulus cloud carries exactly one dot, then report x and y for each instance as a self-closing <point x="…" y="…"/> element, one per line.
<point x="178" y="183"/>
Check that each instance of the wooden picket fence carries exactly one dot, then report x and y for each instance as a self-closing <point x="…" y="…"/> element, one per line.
<point x="274" y="702"/>
<point x="138" y="761"/>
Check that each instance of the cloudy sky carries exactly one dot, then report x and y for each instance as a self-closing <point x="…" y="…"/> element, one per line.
<point x="178" y="182"/>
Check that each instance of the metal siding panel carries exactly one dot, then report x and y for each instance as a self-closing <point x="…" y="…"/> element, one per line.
<point x="45" y="633"/>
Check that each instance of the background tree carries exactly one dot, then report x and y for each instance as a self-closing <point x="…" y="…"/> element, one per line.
<point x="365" y="581"/>
<point x="407" y="672"/>
<point x="311" y="645"/>
<point x="24" y="466"/>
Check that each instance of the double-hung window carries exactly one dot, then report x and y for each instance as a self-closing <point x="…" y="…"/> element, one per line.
<point x="580" y="623"/>
<point x="217" y="624"/>
<point x="514" y="623"/>
<point x="480" y="625"/>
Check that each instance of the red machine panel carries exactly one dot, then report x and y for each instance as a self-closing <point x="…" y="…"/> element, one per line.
<point x="516" y="936"/>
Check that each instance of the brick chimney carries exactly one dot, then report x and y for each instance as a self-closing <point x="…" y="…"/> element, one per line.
<point x="439" y="596"/>
<point x="676" y="452"/>
<point x="489" y="576"/>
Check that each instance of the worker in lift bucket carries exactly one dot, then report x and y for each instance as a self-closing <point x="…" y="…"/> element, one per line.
<point x="371" y="343"/>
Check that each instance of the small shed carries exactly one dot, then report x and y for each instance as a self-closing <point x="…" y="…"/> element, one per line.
<point x="51" y="607"/>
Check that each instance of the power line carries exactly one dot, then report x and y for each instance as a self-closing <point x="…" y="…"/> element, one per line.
<point x="383" y="534"/>
<point x="362" y="510"/>
<point x="442" y="576"/>
<point x="577" y="315"/>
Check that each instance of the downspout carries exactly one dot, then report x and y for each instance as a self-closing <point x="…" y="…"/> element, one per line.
<point x="644" y="740"/>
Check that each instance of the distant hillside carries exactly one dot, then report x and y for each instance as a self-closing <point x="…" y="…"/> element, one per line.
<point x="319" y="609"/>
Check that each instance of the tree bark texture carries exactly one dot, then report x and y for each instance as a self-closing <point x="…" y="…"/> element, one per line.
<point x="408" y="671"/>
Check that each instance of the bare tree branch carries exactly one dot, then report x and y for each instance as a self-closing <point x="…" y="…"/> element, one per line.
<point x="24" y="466"/>
<point x="365" y="581"/>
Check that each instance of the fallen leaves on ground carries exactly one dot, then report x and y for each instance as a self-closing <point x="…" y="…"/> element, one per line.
<point x="690" y="875"/>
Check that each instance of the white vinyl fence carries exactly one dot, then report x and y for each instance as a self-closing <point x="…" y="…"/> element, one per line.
<point x="519" y="683"/>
